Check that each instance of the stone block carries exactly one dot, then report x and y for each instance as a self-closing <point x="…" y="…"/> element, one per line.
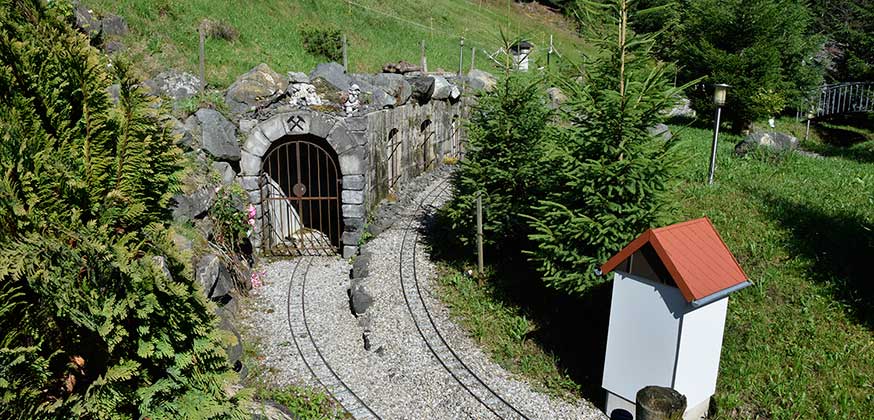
<point x="356" y="123"/>
<point x="341" y="140"/>
<point x="358" y="137"/>
<point x="352" y="197"/>
<point x="296" y="124"/>
<point x="321" y="125"/>
<point x="349" y="251"/>
<point x="353" y="211"/>
<point x="353" y="182"/>
<point x="274" y="128"/>
<point x="249" y="183"/>
<point x="352" y="163"/>
<point x="250" y="165"/>
<point x="353" y="223"/>
<point x="351" y="238"/>
<point x="254" y="197"/>
<point x="257" y="143"/>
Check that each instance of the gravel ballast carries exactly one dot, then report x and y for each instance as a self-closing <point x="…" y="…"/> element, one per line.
<point x="399" y="377"/>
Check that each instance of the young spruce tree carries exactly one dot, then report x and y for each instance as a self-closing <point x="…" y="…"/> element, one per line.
<point x="614" y="174"/>
<point x="501" y="162"/>
<point x="97" y="318"/>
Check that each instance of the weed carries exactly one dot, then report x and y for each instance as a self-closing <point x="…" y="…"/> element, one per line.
<point x="323" y="42"/>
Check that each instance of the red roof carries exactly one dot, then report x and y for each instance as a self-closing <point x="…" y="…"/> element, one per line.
<point x="693" y="253"/>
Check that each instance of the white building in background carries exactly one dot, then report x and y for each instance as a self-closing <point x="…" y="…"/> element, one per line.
<point x="521" y="50"/>
<point x="670" y="296"/>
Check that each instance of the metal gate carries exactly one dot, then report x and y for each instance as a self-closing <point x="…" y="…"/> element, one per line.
<point x="300" y="198"/>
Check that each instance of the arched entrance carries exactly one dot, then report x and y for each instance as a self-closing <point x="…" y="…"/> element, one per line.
<point x="301" y="186"/>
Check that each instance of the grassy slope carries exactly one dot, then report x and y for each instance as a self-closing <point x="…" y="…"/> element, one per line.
<point x="798" y="344"/>
<point x="163" y="32"/>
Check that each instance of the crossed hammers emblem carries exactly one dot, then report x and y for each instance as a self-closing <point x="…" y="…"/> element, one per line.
<point x="295" y="122"/>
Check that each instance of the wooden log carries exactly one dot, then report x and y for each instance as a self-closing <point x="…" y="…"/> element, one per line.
<point x="659" y="403"/>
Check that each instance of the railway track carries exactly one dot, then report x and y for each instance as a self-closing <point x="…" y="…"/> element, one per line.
<point x="309" y="349"/>
<point x="426" y="326"/>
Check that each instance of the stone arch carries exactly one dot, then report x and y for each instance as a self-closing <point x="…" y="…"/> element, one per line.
<point x="348" y="144"/>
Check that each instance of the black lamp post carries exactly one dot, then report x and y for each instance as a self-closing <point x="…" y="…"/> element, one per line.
<point x="719" y="92"/>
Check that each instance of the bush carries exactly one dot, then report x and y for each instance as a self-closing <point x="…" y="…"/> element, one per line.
<point x="754" y="45"/>
<point x="323" y="42"/>
<point x="98" y="319"/>
<point x="502" y="161"/>
<point x="611" y="176"/>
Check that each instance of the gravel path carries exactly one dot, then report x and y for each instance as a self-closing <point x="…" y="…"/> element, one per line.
<point x="399" y="378"/>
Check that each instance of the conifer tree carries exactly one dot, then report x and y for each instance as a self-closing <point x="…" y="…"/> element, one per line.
<point x="613" y="174"/>
<point x="502" y="161"/>
<point x="98" y="318"/>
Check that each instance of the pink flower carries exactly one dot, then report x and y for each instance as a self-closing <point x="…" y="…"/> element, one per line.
<point x="250" y="212"/>
<point x="257" y="278"/>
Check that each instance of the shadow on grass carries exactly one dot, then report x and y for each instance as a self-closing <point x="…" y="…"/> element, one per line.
<point x="848" y="137"/>
<point x="841" y="246"/>
<point x="572" y="329"/>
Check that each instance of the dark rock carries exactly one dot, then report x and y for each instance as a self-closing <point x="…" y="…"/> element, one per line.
<point x="359" y="268"/>
<point x="114" y="46"/>
<point x="423" y="88"/>
<point x="478" y="79"/>
<point x="86" y="21"/>
<point x="176" y="85"/>
<point x="381" y="100"/>
<point x="557" y="98"/>
<point x="772" y="140"/>
<point x="204" y="226"/>
<point x="114" y="92"/>
<point x="401" y="67"/>
<point x="226" y="171"/>
<point x="215" y="278"/>
<point x="113" y="25"/>
<point x="298" y="77"/>
<point x="360" y="298"/>
<point x="219" y="135"/>
<point x="258" y="87"/>
<point x="660" y="130"/>
<point x="189" y="133"/>
<point x="189" y="207"/>
<point x="333" y="75"/>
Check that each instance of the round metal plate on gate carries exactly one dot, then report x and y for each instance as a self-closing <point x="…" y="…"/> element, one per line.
<point x="299" y="189"/>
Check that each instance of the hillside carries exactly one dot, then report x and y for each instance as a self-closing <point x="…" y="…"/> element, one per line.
<point x="163" y="33"/>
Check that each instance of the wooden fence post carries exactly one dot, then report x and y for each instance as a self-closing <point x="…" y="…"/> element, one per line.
<point x="659" y="403"/>
<point x="472" y="58"/>
<point x="424" y="59"/>
<point x="345" y="56"/>
<point x="479" y="231"/>
<point x="201" y="33"/>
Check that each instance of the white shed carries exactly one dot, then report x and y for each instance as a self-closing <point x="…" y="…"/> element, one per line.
<point x="667" y="316"/>
<point x="521" y="50"/>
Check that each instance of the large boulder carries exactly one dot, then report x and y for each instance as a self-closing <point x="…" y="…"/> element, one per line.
<point x="557" y="98"/>
<point x="215" y="278"/>
<point x="298" y="77"/>
<point x="333" y="75"/>
<point x="226" y="172"/>
<point x="219" y="135"/>
<point x="381" y="99"/>
<point x="113" y="25"/>
<point x="394" y="85"/>
<point x="86" y="20"/>
<point x="661" y="130"/>
<point x="258" y="87"/>
<point x="442" y="88"/>
<point x="772" y="140"/>
<point x="360" y="299"/>
<point x="187" y="207"/>
<point x="174" y="84"/>
<point x="478" y="79"/>
<point x="423" y="87"/>
<point x="188" y="133"/>
<point x="401" y="67"/>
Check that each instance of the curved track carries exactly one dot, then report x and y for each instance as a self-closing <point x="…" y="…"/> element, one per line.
<point x="309" y="350"/>
<point x="427" y="327"/>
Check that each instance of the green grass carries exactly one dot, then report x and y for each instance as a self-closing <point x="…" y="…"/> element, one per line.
<point x="504" y="330"/>
<point x="798" y="344"/>
<point x="164" y="32"/>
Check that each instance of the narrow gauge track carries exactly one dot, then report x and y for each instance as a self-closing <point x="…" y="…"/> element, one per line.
<point x="428" y="328"/>
<point x="309" y="350"/>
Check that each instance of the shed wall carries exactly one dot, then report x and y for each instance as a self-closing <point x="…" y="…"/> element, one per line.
<point x="642" y="343"/>
<point x="700" y="347"/>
